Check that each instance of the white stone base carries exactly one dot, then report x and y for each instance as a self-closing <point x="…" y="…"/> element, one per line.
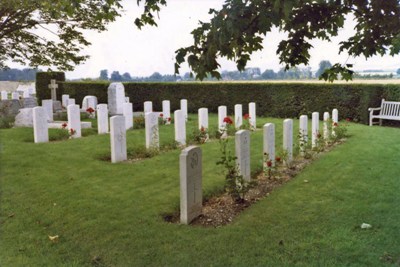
<point x="58" y="124"/>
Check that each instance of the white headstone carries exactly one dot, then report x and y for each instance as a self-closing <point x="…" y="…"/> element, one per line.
<point x="151" y="128"/>
<point x="303" y="133"/>
<point x="47" y="104"/>
<point x="71" y="101"/>
<point x="288" y="139"/>
<point x="238" y="116"/>
<point x="242" y="145"/>
<point x="53" y="87"/>
<point x="326" y="129"/>
<point x="102" y="118"/>
<point x="203" y="118"/>
<point x="222" y="113"/>
<point x="128" y="114"/>
<point x="252" y="115"/>
<point x="315" y="129"/>
<point x="40" y="126"/>
<point x="26" y="94"/>
<point x="269" y="142"/>
<point x="118" y="139"/>
<point x="4" y="95"/>
<point x="74" y="121"/>
<point x="64" y="100"/>
<point x="335" y="115"/>
<point x="190" y="164"/>
<point x="116" y="98"/>
<point x="15" y="96"/>
<point x="180" y="127"/>
<point x="24" y="118"/>
<point x="148" y="107"/>
<point x="166" y="111"/>
<point x="184" y="108"/>
<point x="89" y="101"/>
<point x="127" y="100"/>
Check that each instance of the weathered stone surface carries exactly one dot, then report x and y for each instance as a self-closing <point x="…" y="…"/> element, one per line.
<point x="184" y="108"/>
<point x="242" y="145"/>
<point x="102" y="119"/>
<point x="269" y="142"/>
<point x="24" y="118"/>
<point x="40" y="127"/>
<point x="288" y="139"/>
<point x="252" y="115"/>
<point x="116" y="98"/>
<point x="151" y="129"/>
<point x="238" y="116"/>
<point x="203" y="118"/>
<point x="315" y="134"/>
<point x="118" y="139"/>
<point x="74" y="121"/>
<point x="190" y="162"/>
<point x="222" y="114"/>
<point x="180" y="127"/>
<point x="128" y="114"/>
<point x="47" y="104"/>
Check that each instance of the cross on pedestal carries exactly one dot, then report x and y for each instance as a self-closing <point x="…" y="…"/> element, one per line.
<point x="53" y="86"/>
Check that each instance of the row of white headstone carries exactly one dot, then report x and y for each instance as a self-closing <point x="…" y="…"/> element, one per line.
<point x="14" y="95"/>
<point x="190" y="160"/>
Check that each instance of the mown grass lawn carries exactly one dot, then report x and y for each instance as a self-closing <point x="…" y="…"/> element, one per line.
<point x="112" y="214"/>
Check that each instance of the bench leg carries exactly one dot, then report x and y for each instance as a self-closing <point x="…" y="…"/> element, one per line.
<point x="370" y="121"/>
<point x="380" y="122"/>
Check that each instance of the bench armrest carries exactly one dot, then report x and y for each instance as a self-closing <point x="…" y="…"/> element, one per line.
<point x="373" y="109"/>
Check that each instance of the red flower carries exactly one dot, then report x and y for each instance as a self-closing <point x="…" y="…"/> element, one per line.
<point x="335" y="124"/>
<point x="202" y="129"/>
<point x="228" y="120"/>
<point x="90" y="110"/>
<point x="169" y="119"/>
<point x="269" y="163"/>
<point x="348" y="119"/>
<point x="161" y="115"/>
<point x="64" y="125"/>
<point x="72" y="131"/>
<point x="246" y="116"/>
<point x="278" y="158"/>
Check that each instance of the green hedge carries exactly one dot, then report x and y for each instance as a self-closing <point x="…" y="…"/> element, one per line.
<point x="43" y="81"/>
<point x="285" y="100"/>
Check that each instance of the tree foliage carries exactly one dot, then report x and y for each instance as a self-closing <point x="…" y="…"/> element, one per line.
<point x="22" y="23"/>
<point x="239" y="27"/>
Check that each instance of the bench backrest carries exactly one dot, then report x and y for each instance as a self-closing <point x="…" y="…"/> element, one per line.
<point x="390" y="108"/>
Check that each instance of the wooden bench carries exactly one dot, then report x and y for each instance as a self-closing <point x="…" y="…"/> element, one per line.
<point x="389" y="110"/>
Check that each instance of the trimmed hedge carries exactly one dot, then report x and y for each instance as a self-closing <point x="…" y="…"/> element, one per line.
<point x="43" y="81"/>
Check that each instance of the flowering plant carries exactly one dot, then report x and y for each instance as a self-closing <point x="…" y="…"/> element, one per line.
<point x="200" y="136"/>
<point x="162" y="120"/>
<point x="91" y="111"/>
<point x="269" y="166"/>
<point x="64" y="125"/>
<point x="246" y="123"/>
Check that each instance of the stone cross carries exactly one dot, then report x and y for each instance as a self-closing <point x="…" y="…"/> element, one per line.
<point x="74" y="120"/>
<point x="40" y="126"/>
<point x="102" y="118"/>
<point x="53" y="87"/>
<point x="151" y="129"/>
<point x="222" y="113"/>
<point x="190" y="164"/>
<point x="180" y="127"/>
<point x="288" y="139"/>
<point x="242" y="150"/>
<point x="118" y="139"/>
<point x="128" y="114"/>
<point x="238" y="116"/>
<point x="203" y="118"/>
<point x="252" y="115"/>
<point x="315" y="129"/>
<point x="303" y="133"/>
<point x="269" y="142"/>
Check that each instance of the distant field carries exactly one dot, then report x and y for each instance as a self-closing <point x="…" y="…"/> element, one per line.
<point x="355" y="81"/>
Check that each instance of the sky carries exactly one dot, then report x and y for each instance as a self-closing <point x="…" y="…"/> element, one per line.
<point x="125" y="48"/>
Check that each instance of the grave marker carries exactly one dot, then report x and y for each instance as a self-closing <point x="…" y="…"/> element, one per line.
<point x="118" y="139"/>
<point x="203" y="118"/>
<point x="64" y="100"/>
<point x="148" y="107"/>
<point x="151" y="128"/>
<point x="40" y="126"/>
<point x="53" y="87"/>
<point x="303" y="133"/>
<point x="15" y="96"/>
<point x="242" y="145"/>
<point x="191" y="195"/>
<point x="74" y="121"/>
<point x="47" y="104"/>
<point x="269" y="142"/>
<point x="252" y="115"/>
<point x="315" y="135"/>
<point x="288" y="139"/>
<point x="180" y="127"/>
<point x="116" y="98"/>
<point x="238" y="116"/>
<point x="222" y="114"/>
<point x="128" y="114"/>
<point x="166" y="111"/>
<point x="184" y="108"/>
<point x="326" y="128"/>
<point x="4" y="95"/>
<point x="71" y="101"/>
<point x="102" y="119"/>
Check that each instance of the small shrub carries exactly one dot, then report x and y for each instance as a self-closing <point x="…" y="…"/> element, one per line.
<point x="199" y="136"/>
<point x="138" y="122"/>
<point x="58" y="134"/>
